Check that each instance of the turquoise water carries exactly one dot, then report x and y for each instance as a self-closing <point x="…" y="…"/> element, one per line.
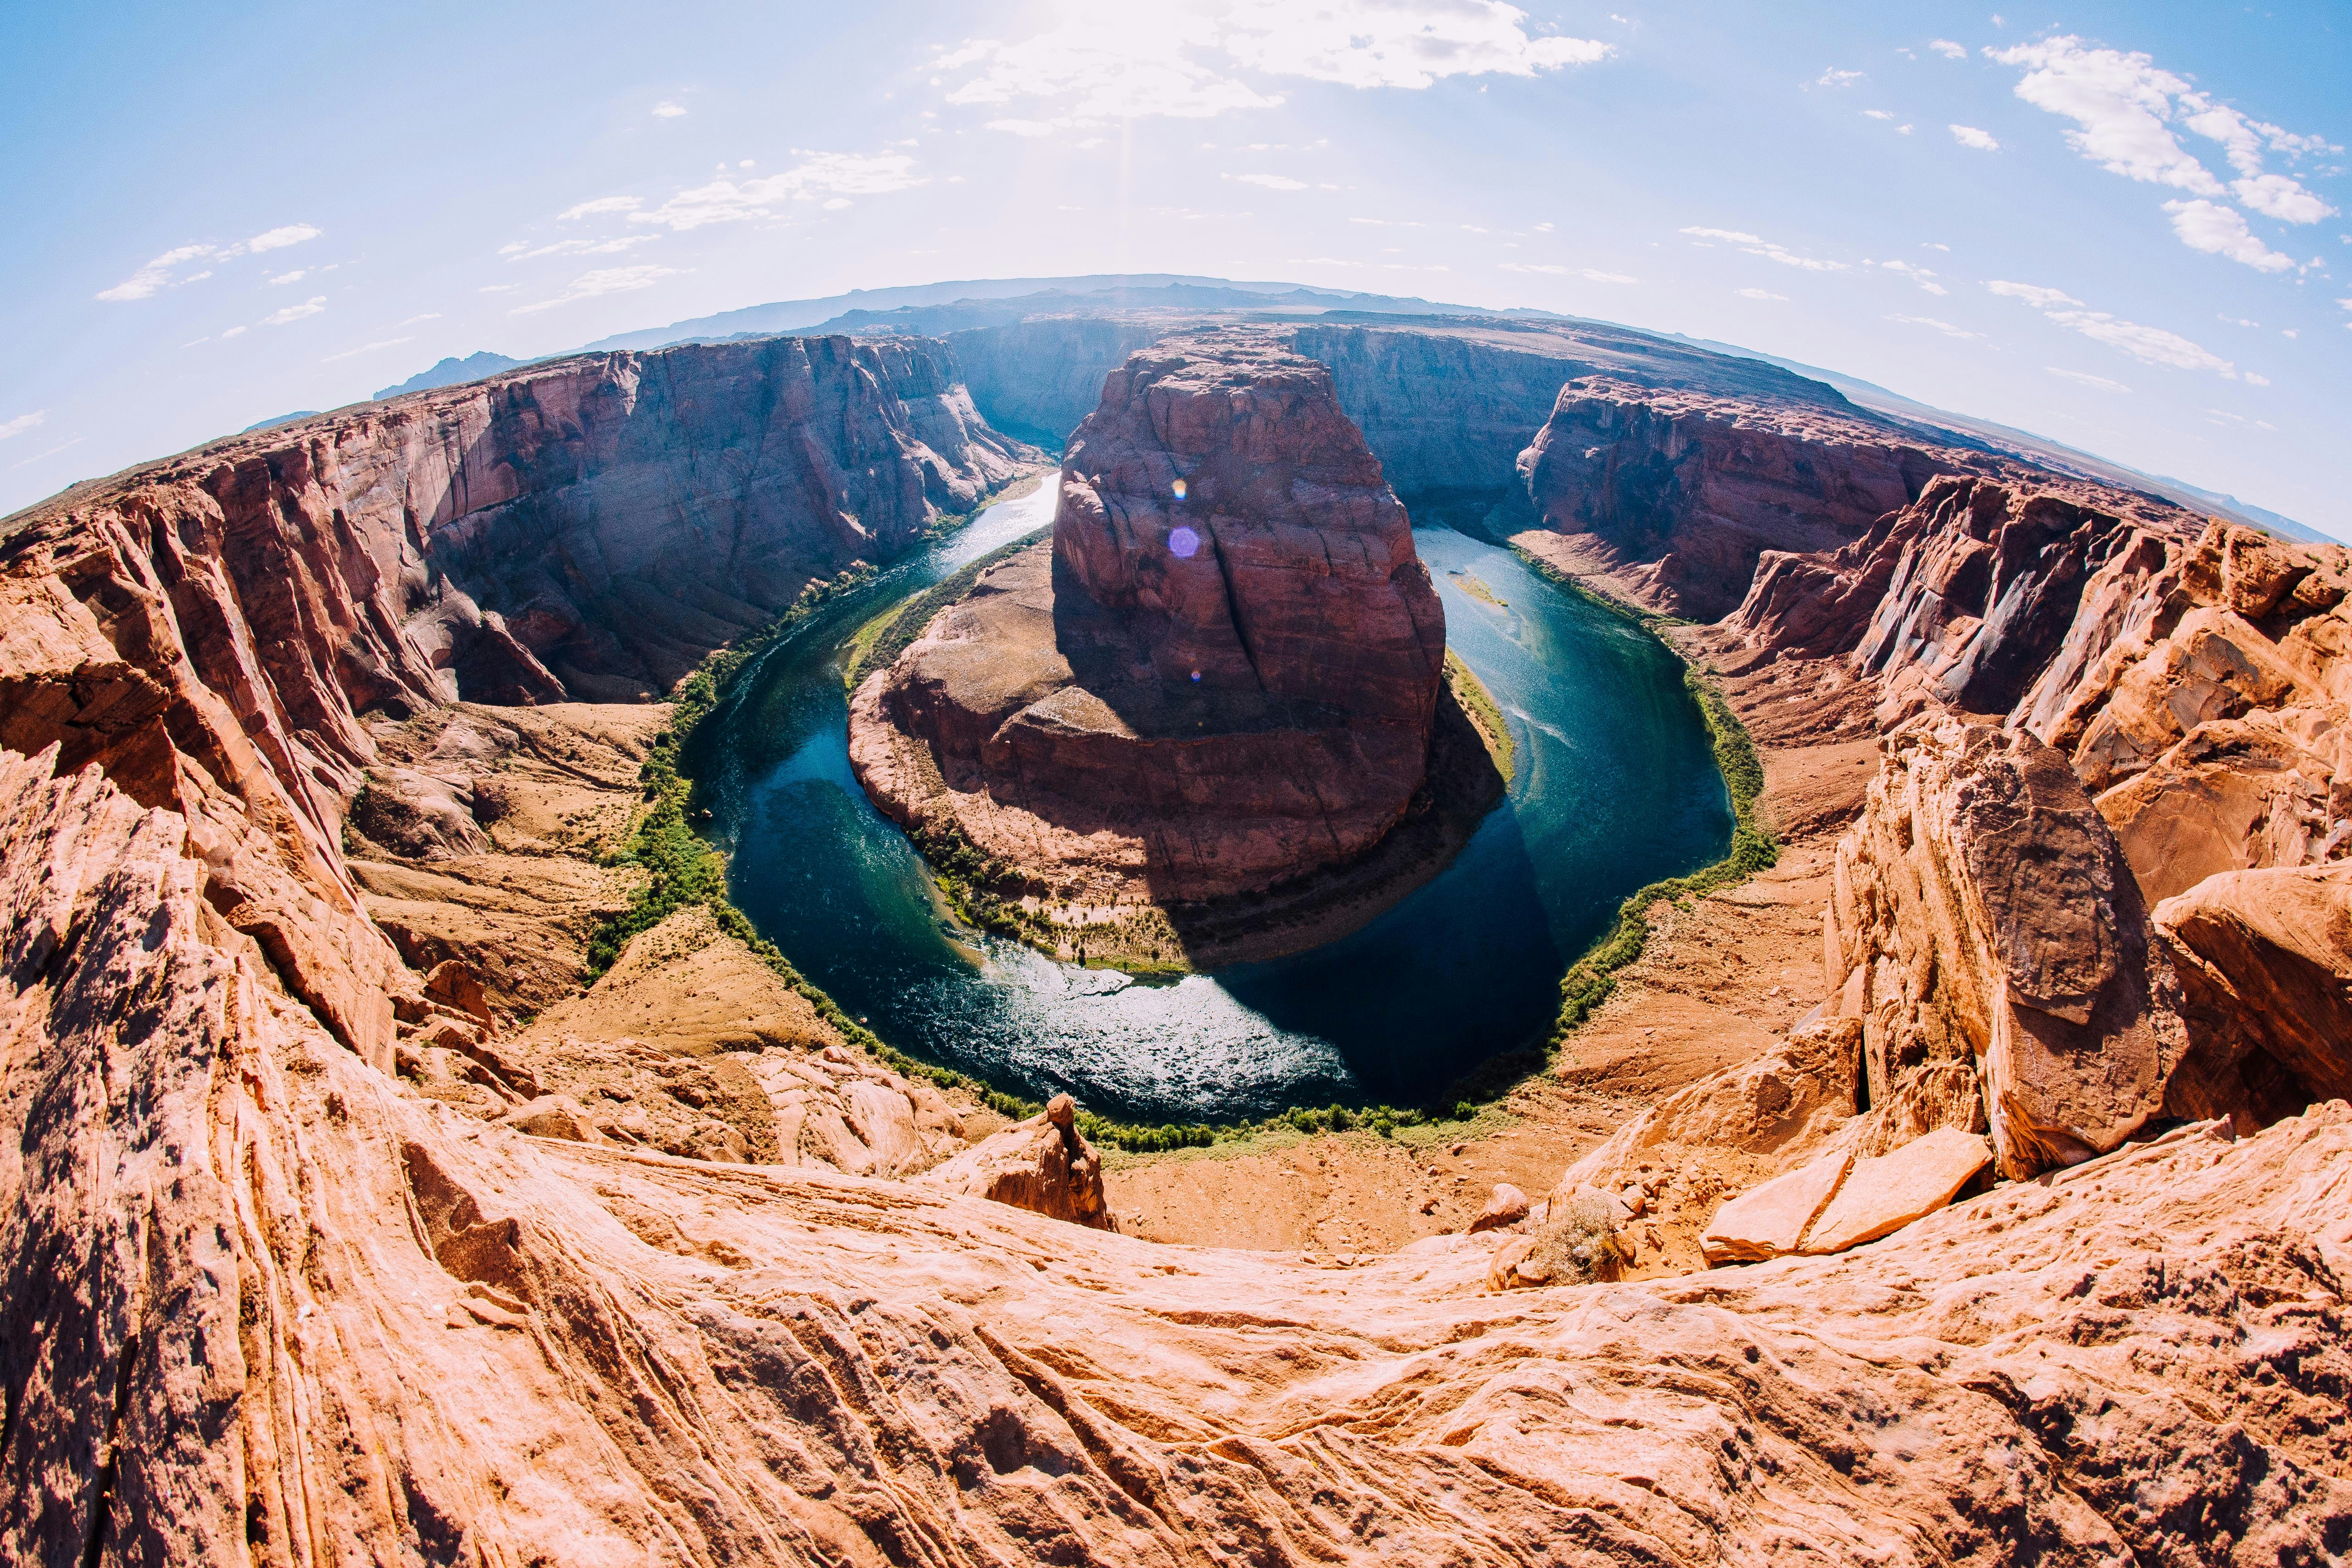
<point x="1616" y="788"/>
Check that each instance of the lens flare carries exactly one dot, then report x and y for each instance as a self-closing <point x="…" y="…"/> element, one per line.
<point x="1178" y="489"/>
<point x="1184" y="542"/>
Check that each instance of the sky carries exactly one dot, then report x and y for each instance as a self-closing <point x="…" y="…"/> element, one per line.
<point x="2128" y="227"/>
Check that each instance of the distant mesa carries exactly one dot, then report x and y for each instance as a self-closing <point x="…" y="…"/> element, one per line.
<point x="1190" y="728"/>
<point x="450" y="371"/>
<point x="281" y="419"/>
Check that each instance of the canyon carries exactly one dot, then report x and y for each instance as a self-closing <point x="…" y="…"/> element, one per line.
<point x="356" y="1208"/>
<point x="1222" y="674"/>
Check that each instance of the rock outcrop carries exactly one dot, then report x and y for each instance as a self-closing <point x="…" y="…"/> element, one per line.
<point x="1985" y="915"/>
<point x="1224" y="675"/>
<point x="1676" y="494"/>
<point x="1044" y="1164"/>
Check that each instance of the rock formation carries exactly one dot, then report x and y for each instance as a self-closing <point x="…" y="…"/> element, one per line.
<point x="338" y="1218"/>
<point x="1224" y="675"/>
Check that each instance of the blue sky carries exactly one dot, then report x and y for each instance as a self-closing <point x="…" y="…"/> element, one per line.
<point x="2123" y="227"/>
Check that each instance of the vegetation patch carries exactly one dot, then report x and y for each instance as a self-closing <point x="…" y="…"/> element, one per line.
<point x="877" y="645"/>
<point x="1479" y="703"/>
<point x="1592" y="977"/>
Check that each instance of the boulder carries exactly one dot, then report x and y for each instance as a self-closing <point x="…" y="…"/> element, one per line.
<point x="1042" y="1164"/>
<point x="1880" y="1196"/>
<point x="2275" y="951"/>
<point x="1507" y="1207"/>
<point x="1983" y="914"/>
<point x="553" y="1116"/>
<point x="1772" y="1219"/>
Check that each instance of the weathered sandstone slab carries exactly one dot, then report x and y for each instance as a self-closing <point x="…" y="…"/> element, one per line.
<point x="1880" y="1194"/>
<point x="2276" y="948"/>
<point x="1770" y="1220"/>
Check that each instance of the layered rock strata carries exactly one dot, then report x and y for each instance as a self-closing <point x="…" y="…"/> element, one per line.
<point x="1222" y="675"/>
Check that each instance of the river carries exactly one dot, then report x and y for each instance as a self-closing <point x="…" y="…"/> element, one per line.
<point x="1614" y="787"/>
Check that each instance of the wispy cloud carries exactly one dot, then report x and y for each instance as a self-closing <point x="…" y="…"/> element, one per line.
<point x="1120" y="63"/>
<point x="1760" y="294"/>
<point x="2149" y="345"/>
<point x="1918" y="275"/>
<point x="606" y="280"/>
<point x="1270" y="181"/>
<point x="1590" y="274"/>
<point x="725" y="201"/>
<point x="311" y="306"/>
<point x="599" y="207"/>
<point x="155" y="276"/>
<point x="1836" y="78"/>
<point x="11" y="429"/>
<point x="367" y="348"/>
<point x="2083" y="377"/>
<point x="1771" y="250"/>
<point x="1969" y="136"/>
<point x="1949" y="50"/>
<point x="429" y="316"/>
<point x="1946" y="327"/>
<point x="668" y="110"/>
<point x="523" y="250"/>
<point x="52" y="452"/>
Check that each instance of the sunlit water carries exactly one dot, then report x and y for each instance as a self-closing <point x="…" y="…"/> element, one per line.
<point x="1615" y="788"/>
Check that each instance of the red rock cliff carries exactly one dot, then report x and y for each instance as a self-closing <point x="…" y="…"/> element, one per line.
<point x="1224" y="675"/>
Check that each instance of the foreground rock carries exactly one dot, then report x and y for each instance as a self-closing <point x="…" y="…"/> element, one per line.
<point x="1985" y="915"/>
<point x="1226" y="675"/>
<point x="1042" y="1164"/>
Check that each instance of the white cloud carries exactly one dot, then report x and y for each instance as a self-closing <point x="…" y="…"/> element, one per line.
<point x="1271" y="182"/>
<point x="311" y="306"/>
<point x="2252" y="380"/>
<point x="2221" y="231"/>
<point x="1836" y="78"/>
<point x="1770" y="250"/>
<point x="1969" y="136"/>
<point x="2120" y="104"/>
<point x="2235" y="320"/>
<point x="296" y="275"/>
<point x="606" y="280"/>
<point x="817" y="174"/>
<point x="1760" y="294"/>
<point x="1946" y="327"/>
<point x="15" y="427"/>
<point x="1918" y="275"/>
<point x="602" y="204"/>
<point x="2277" y="196"/>
<point x="1543" y="228"/>
<point x="668" y="110"/>
<point x="1878" y="113"/>
<point x="2080" y="378"/>
<point x="1949" y="50"/>
<point x="429" y="316"/>
<point x="279" y="239"/>
<point x="366" y="348"/>
<point x="1590" y="274"/>
<point x="520" y="251"/>
<point x="155" y="276"/>
<point x="1132" y="62"/>
<point x="52" y="452"/>
<point x="1390" y="222"/>
<point x="2149" y="345"/>
<point x="233" y="332"/>
<point x="2125" y="107"/>
<point x="2039" y="298"/>
<point x="837" y="203"/>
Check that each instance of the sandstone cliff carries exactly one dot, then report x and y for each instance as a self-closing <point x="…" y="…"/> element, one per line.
<point x="1224" y="675"/>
